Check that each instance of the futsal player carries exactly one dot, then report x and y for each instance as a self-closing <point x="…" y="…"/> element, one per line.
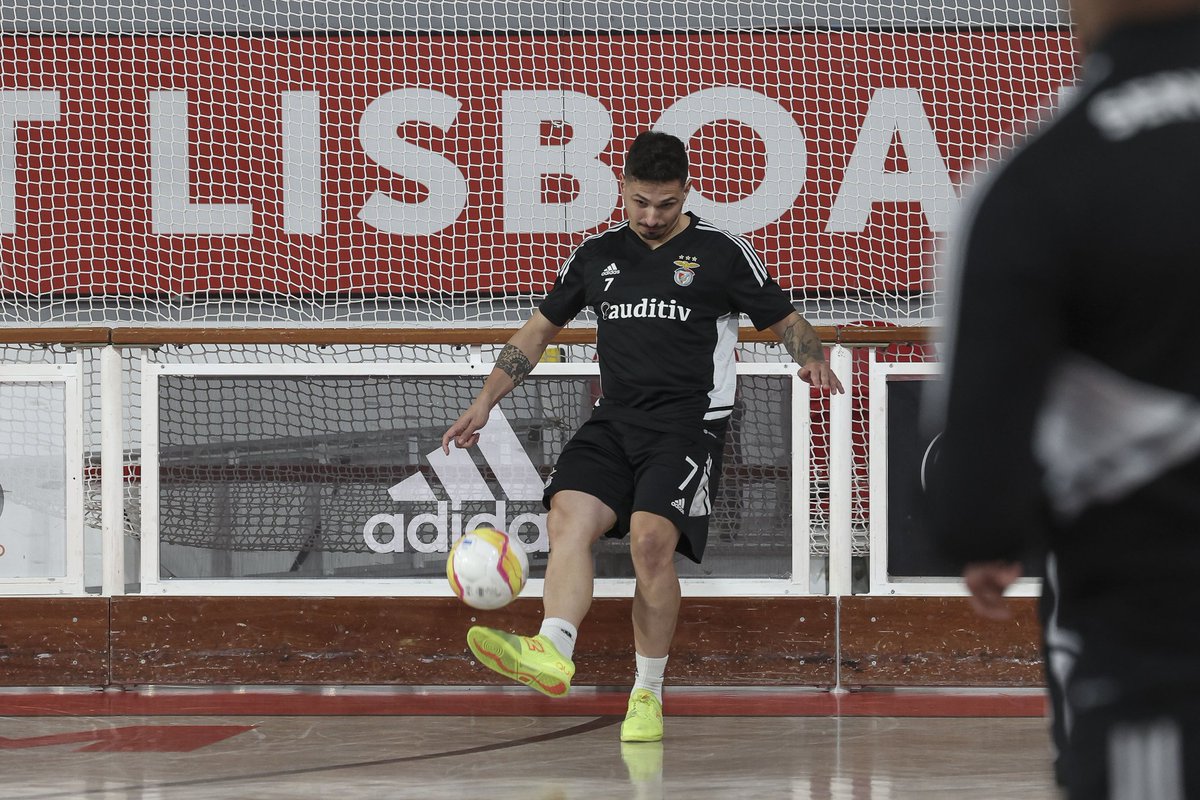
<point x="667" y="289"/>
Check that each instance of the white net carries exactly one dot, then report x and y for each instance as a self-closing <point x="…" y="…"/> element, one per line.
<point x="269" y="476"/>
<point x="394" y="163"/>
<point x="360" y="163"/>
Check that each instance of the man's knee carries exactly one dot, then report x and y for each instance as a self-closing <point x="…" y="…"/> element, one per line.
<point x="577" y="518"/>
<point x="652" y="541"/>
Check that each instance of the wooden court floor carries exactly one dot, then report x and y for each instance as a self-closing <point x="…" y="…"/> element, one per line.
<point x="502" y="744"/>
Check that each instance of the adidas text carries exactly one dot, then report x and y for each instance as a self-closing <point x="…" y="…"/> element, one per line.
<point x="394" y="533"/>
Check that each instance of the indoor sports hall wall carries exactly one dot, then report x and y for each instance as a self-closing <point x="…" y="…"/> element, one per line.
<point x="254" y="257"/>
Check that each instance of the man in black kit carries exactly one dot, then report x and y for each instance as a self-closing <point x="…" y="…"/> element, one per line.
<point x="667" y="288"/>
<point x="1072" y="398"/>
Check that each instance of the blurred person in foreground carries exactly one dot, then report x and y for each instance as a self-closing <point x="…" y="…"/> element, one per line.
<point x="1071" y="404"/>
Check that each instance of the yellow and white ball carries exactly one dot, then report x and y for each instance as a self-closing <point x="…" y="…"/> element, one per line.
<point x="487" y="568"/>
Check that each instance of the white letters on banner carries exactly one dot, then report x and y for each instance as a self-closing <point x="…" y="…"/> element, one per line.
<point x="384" y="145"/>
<point x="302" y="164"/>
<point x="170" y="179"/>
<point x="900" y="114"/>
<point x="787" y="155"/>
<point x="18" y="107"/>
<point x="527" y="161"/>
<point x="895" y="114"/>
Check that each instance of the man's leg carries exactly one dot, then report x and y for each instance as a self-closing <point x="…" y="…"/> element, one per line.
<point x="543" y="662"/>
<point x="655" y="611"/>
<point x="576" y="521"/>
<point x="656" y="596"/>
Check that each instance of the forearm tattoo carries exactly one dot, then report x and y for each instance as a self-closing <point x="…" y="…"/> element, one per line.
<point x="802" y="342"/>
<point x="514" y="363"/>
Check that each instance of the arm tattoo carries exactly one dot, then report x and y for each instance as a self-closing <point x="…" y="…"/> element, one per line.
<point x="802" y="342"/>
<point x="514" y="363"/>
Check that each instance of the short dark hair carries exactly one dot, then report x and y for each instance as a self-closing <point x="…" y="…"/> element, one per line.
<point x="657" y="157"/>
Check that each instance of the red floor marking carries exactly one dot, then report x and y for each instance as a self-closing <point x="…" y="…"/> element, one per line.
<point x="500" y="703"/>
<point x="134" y="738"/>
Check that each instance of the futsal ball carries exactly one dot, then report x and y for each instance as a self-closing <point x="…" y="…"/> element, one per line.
<point x="487" y="568"/>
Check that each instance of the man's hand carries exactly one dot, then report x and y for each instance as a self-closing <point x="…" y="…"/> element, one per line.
<point x="465" y="431"/>
<point x="804" y="346"/>
<point x="987" y="582"/>
<point x="818" y="374"/>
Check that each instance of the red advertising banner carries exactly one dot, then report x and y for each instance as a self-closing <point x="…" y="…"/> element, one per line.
<point x="473" y="164"/>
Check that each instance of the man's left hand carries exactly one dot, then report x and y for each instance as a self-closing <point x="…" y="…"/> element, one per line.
<point x="819" y="375"/>
<point x="987" y="581"/>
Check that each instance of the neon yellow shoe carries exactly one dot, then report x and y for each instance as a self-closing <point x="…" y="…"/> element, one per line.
<point x="531" y="660"/>
<point x="643" y="718"/>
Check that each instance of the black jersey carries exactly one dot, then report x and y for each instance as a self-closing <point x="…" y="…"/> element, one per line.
<point x="1073" y="389"/>
<point x="667" y="319"/>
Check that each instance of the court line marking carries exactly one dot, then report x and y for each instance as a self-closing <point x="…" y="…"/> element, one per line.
<point x="587" y="727"/>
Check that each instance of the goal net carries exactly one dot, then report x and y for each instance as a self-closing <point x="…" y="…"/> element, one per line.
<point x="343" y="476"/>
<point x="431" y="164"/>
<point x="434" y="162"/>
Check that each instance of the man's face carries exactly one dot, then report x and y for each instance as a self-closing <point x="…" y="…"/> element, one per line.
<point x="653" y="209"/>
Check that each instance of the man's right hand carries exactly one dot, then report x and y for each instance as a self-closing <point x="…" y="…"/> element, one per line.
<point x="465" y="431"/>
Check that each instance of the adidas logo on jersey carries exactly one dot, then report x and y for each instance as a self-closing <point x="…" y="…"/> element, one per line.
<point x="463" y="483"/>
<point x="678" y="505"/>
<point x="610" y="271"/>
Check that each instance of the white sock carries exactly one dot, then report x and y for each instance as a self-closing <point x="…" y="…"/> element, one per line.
<point x="561" y="634"/>
<point x="650" y="674"/>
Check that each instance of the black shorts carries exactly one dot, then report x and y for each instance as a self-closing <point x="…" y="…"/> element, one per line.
<point x="630" y="468"/>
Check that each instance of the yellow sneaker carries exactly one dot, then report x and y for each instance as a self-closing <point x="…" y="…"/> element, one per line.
<point x="643" y="718"/>
<point x="531" y="660"/>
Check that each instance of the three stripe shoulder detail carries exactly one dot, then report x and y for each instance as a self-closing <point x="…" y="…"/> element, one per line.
<point x="566" y="265"/>
<point x="756" y="264"/>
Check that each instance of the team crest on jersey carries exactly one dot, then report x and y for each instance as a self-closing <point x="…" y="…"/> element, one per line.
<point x="684" y="275"/>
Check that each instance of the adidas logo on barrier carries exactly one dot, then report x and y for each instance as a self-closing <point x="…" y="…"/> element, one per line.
<point x="463" y="482"/>
<point x="610" y="271"/>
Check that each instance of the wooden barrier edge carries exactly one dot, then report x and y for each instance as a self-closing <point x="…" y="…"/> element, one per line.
<point x="152" y="336"/>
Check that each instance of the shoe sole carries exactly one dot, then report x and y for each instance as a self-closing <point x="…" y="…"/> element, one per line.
<point x="499" y="656"/>
<point x="625" y="738"/>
